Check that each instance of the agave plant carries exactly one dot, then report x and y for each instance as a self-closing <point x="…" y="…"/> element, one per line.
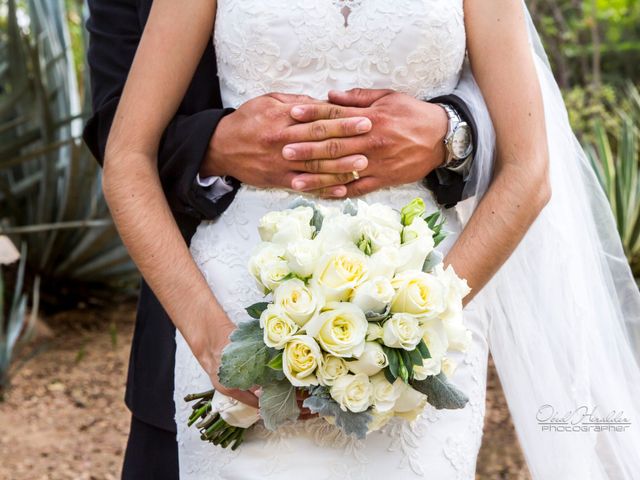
<point x="616" y="161"/>
<point x="16" y="324"/>
<point x="50" y="194"/>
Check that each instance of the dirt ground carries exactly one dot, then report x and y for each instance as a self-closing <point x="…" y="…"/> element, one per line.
<point x="64" y="417"/>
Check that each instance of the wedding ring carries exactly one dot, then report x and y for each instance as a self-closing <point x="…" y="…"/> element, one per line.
<point x="356" y="175"/>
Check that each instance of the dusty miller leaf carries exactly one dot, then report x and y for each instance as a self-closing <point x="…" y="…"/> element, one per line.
<point x="440" y="393"/>
<point x="351" y="423"/>
<point x="245" y="359"/>
<point x="433" y="259"/>
<point x="278" y="404"/>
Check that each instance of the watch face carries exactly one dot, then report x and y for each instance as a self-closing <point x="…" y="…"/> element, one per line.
<point x="461" y="142"/>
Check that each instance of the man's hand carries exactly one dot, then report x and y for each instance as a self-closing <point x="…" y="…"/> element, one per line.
<point x="404" y="145"/>
<point x="248" y="144"/>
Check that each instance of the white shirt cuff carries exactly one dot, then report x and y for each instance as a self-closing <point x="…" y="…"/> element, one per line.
<point x="215" y="187"/>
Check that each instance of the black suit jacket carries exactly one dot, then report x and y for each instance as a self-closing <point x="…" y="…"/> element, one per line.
<point x="115" y="28"/>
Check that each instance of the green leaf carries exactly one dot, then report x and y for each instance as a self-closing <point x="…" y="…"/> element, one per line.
<point x="407" y="362"/>
<point x="245" y="359"/>
<point x="278" y="404"/>
<point x="422" y="348"/>
<point x="256" y="309"/>
<point x="394" y="361"/>
<point x="440" y="393"/>
<point x="351" y="423"/>
<point x="276" y="362"/>
<point x="415" y="356"/>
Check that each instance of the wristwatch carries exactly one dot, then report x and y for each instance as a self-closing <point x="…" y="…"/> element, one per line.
<point x="458" y="141"/>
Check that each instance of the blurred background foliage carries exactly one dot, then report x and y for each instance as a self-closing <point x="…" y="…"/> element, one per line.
<point x="50" y="198"/>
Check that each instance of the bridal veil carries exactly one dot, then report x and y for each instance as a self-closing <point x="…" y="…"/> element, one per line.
<point x="564" y="310"/>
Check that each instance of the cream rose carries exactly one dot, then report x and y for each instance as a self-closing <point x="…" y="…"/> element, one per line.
<point x="373" y="295"/>
<point x="330" y="369"/>
<point x="449" y="366"/>
<point x="417" y="243"/>
<point x="456" y="289"/>
<point x="410" y="404"/>
<point x="300" y="359"/>
<point x="302" y="256"/>
<point x="273" y="273"/>
<point x="379" y="419"/>
<point x="340" y="328"/>
<point x="435" y="338"/>
<point x="374" y="332"/>
<point x="286" y="226"/>
<point x="458" y="336"/>
<point x="297" y="300"/>
<point x="265" y="254"/>
<point x="384" y="262"/>
<point x="338" y="231"/>
<point x="380" y="214"/>
<point x="385" y="394"/>
<point x="339" y="272"/>
<point x="401" y="331"/>
<point x="378" y="235"/>
<point x="418" y="293"/>
<point x="371" y="361"/>
<point x="277" y="327"/>
<point x="352" y="392"/>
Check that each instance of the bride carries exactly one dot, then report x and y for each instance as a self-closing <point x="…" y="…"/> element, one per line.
<point x="552" y="295"/>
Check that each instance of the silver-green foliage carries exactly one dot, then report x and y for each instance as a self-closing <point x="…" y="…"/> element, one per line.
<point x="50" y="186"/>
<point x="615" y="157"/>
<point x="16" y="324"/>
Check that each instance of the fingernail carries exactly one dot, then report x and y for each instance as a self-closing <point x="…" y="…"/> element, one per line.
<point x="360" y="163"/>
<point x="288" y="153"/>
<point x="363" y="125"/>
<point x="339" y="191"/>
<point x="298" y="184"/>
<point x="297" y="111"/>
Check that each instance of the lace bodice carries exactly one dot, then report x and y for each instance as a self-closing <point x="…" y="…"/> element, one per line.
<point x="312" y="46"/>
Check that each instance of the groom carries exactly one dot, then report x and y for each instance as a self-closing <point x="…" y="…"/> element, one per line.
<point x="206" y="151"/>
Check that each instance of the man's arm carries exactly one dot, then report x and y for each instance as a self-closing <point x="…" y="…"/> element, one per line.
<point x="447" y="185"/>
<point x="115" y="30"/>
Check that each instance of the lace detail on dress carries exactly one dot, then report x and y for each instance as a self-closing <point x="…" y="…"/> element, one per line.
<point x="312" y="46"/>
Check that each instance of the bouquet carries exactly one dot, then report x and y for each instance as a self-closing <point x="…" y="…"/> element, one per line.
<point x="358" y="319"/>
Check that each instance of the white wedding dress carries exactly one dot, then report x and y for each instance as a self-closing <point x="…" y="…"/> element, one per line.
<point x="310" y="47"/>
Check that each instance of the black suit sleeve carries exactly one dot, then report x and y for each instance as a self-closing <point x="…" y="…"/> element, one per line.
<point x="445" y="184"/>
<point x="115" y="28"/>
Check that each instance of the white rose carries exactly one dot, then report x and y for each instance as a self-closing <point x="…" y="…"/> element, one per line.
<point x="429" y="367"/>
<point x="381" y="214"/>
<point x="338" y="231"/>
<point x="265" y="254"/>
<point x="456" y="289"/>
<point x="352" y="392"/>
<point x="373" y="295"/>
<point x="277" y="327"/>
<point x="417" y="243"/>
<point x="401" y="331"/>
<point x="330" y="369"/>
<point x="302" y="256"/>
<point x="418" y="293"/>
<point x="385" y="394"/>
<point x="339" y="272"/>
<point x="384" y="262"/>
<point x="300" y="358"/>
<point x="379" y="419"/>
<point x="371" y="361"/>
<point x="458" y="336"/>
<point x="435" y="338"/>
<point x="340" y="328"/>
<point x="273" y="273"/>
<point x="286" y="226"/>
<point x="298" y="301"/>
<point x="374" y="332"/>
<point x="410" y="403"/>
<point x="379" y="236"/>
<point x="449" y="366"/>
